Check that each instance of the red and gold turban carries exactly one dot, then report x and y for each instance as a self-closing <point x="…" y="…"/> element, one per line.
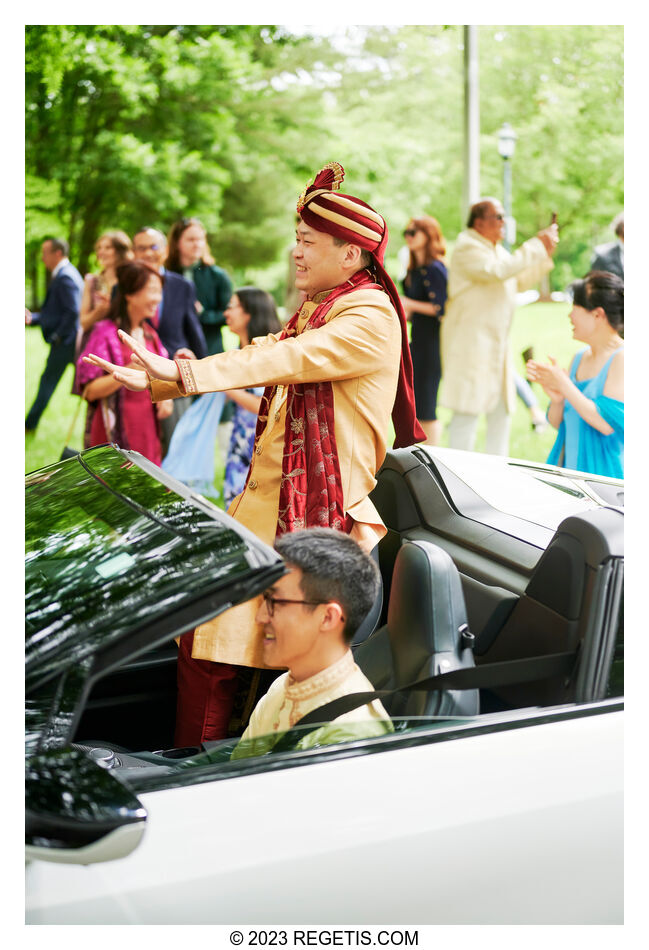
<point x="343" y="216"/>
<point x="323" y="208"/>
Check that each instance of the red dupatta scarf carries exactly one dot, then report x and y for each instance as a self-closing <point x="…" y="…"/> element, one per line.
<point x="311" y="491"/>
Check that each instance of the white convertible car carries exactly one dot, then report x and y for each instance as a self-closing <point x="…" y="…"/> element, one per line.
<point x="497" y="799"/>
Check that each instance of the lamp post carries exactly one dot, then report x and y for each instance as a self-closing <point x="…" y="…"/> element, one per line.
<point x="506" y="145"/>
<point x="471" y="191"/>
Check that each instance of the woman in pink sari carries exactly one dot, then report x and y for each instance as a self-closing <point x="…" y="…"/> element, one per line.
<point x="116" y="414"/>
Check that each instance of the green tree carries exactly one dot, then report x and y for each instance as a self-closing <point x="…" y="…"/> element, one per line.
<point x="132" y="125"/>
<point x="398" y="108"/>
<point x="135" y="125"/>
<point x="562" y="89"/>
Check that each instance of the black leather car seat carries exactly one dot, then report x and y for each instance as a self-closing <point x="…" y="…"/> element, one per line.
<point x="551" y="615"/>
<point x="373" y="617"/>
<point x="423" y="636"/>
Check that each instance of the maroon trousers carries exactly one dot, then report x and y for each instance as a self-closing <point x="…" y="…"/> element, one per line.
<point x="206" y="693"/>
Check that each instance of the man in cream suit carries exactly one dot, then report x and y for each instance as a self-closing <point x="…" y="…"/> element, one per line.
<point x="483" y="281"/>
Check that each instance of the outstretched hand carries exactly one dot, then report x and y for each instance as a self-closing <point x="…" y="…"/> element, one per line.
<point x="134" y="379"/>
<point x="156" y="366"/>
<point x="132" y="376"/>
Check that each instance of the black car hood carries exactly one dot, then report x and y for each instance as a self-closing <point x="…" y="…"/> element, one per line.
<point x="120" y="557"/>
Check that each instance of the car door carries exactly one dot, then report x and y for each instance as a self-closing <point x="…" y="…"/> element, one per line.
<point x="508" y="817"/>
<point x="513" y="819"/>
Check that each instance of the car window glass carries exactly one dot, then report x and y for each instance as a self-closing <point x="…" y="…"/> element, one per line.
<point x="138" y="486"/>
<point x="98" y="566"/>
<point x="50" y="710"/>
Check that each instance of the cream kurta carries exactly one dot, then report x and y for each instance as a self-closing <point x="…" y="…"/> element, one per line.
<point x="358" y="350"/>
<point x="287" y="701"/>
<point x="483" y="280"/>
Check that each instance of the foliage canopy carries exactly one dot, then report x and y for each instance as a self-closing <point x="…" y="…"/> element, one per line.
<point x="134" y="125"/>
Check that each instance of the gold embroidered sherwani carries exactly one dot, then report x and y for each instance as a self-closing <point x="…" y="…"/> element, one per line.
<point x="287" y="701"/>
<point x="358" y="350"/>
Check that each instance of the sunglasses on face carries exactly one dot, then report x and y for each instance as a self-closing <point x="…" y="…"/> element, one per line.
<point x="410" y="232"/>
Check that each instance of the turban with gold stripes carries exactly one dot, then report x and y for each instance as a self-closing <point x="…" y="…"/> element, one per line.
<point x="323" y="208"/>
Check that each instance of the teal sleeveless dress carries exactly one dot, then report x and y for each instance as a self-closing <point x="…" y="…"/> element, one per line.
<point x="581" y="447"/>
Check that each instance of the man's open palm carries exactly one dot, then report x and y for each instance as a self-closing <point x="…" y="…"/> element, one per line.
<point x="136" y="379"/>
<point x="156" y="366"/>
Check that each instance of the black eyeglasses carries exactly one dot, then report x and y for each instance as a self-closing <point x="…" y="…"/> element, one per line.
<point x="410" y="232"/>
<point x="496" y="217"/>
<point x="270" y="602"/>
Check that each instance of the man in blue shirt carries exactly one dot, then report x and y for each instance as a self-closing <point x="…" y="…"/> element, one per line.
<point x="58" y="318"/>
<point x="178" y="325"/>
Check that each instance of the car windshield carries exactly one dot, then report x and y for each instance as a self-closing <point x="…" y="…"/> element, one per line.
<point x="109" y="551"/>
<point x="542" y="497"/>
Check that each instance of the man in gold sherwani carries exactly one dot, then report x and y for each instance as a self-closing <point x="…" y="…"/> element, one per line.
<point x="333" y="376"/>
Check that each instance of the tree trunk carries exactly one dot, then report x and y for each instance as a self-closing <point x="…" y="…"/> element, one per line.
<point x="32" y="269"/>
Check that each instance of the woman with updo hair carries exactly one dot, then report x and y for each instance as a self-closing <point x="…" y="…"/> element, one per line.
<point x="587" y="402"/>
<point x="115" y="414"/>
<point x="424" y="300"/>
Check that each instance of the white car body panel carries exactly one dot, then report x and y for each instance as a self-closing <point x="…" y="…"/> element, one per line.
<point x="524" y="489"/>
<point x="519" y="825"/>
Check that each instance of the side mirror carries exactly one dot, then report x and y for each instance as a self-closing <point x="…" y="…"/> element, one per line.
<point x="78" y="812"/>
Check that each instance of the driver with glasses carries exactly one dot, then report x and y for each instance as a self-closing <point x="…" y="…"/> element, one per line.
<point x="309" y="618"/>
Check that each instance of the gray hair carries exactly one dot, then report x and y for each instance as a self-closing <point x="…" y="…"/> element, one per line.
<point x="59" y="244"/>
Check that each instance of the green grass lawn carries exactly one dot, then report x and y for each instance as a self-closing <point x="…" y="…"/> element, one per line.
<point x="543" y="325"/>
